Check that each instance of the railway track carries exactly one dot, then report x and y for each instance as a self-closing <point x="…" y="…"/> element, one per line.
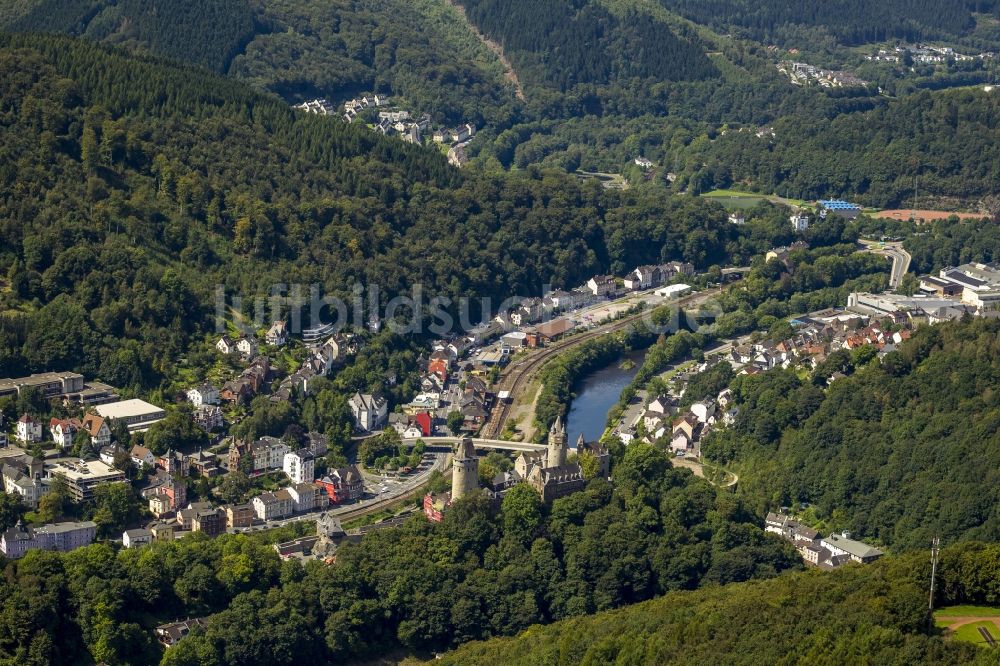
<point x="518" y="375"/>
<point x="375" y="507"/>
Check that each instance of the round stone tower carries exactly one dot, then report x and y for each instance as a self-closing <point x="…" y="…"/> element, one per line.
<point x="465" y="469"/>
<point x="557" y="451"/>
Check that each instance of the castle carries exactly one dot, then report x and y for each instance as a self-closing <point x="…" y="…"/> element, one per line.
<point x="548" y="471"/>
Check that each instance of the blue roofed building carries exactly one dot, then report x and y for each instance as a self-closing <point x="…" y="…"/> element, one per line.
<point x="840" y="208"/>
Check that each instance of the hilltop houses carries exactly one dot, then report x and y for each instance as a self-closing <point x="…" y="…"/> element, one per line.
<point x="320" y="107"/>
<point x="827" y="552"/>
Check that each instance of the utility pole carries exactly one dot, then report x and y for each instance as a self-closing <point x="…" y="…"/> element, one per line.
<point x="935" y="546"/>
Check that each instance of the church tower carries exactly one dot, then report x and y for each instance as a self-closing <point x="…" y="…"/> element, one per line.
<point x="465" y="469"/>
<point x="557" y="450"/>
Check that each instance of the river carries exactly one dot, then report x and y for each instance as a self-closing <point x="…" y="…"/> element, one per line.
<point x="596" y="394"/>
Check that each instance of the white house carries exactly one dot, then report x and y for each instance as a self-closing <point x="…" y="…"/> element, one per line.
<point x="142" y="456"/>
<point x="107" y="454"/>
<point x="601" y="285"/>
<point x="799" y="222"/>
<point x="208" y="418"/>
<point x="206" y="394"/>
<point x="842" y="544"/>
<point x="268" y="453"/>
<point x="730" y="415"/>
<point x="703" y="410"/>
<point x="247" y="346"/>
<point x="307" y="496"/>
<point x="29" y="429"/>
<point x="226" y="345"/>
<point x="299" y="466"/>
<point x="662" y="404"/>
<point x="737" y="218"/>
<point x="369" y="410"/>
<point x="136" y="538"/>
<point x="62" y="431"/>
<point x="643" y="277"/>
<point x="98" y="429"/>
<point x="22" y="476"/>
<point x="269" y="506"/>
<point x="655" y="425"/>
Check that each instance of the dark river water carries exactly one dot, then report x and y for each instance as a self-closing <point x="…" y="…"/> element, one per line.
<point x="596" y="395"/>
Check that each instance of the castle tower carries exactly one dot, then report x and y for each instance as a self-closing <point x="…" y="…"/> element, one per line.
<point x="465" y="469"/>
<point x="581" y="444"/>
<point x="557" y="450"/>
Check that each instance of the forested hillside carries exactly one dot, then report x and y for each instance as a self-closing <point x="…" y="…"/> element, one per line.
<point x="204" y="32"/>
<point x="850" y="21"/>
<point x="946" y="139"/>
<point x="132" y="188"/>
<point x="301" y="49"/>
<point x="900" y="451"/>
<point x="873" y="614"/>
<point x="418" y="49"/>
<point x="565" y="43"/>
<point x="606" y="81"/>
<point x="422" y="586"/>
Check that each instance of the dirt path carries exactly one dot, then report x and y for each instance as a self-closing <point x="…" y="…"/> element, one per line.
<point x="493" y="46"/>
<point x="956" y="622"/>
<point x="523" y="415"/>
<point x="699" y="470"/>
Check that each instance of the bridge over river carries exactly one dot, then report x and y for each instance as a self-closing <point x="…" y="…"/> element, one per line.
<point x="494" y="444"/>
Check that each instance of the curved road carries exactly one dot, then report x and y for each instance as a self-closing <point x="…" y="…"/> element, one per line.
<point x="900" y="258"/>
<point x="406" y="489"/>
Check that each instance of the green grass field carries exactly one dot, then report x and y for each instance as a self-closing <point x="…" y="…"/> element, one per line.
<point x="737" y="200"/>
<point x="969" y="633"/>
<point x="967" y="611"/>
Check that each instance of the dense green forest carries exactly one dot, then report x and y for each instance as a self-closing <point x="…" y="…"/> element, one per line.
<point x="946" y="140"/>
<point x="850" y="21"/>
<point x="902" y="450"/>
<point x="302" y="49"/>
<point x="563" y="43"/>
<point x="873" y="614"/>
<point x="204" y="32"/>
<point x="424" y="586"/>
<point x="421" y="50"/>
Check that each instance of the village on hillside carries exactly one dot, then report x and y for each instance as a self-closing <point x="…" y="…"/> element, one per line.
<point x="391" y="120"/>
